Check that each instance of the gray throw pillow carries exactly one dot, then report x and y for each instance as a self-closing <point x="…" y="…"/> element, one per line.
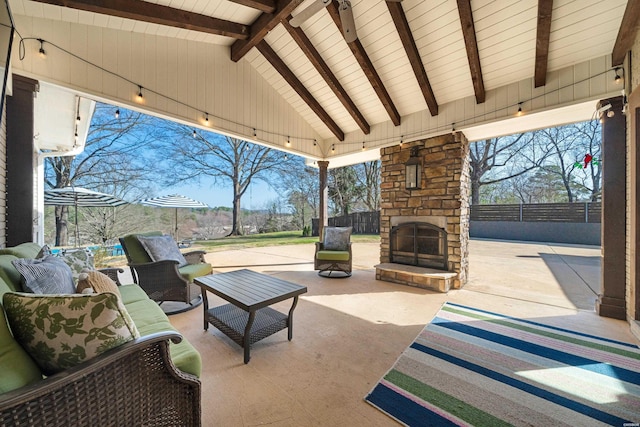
<point x="48" y="275"/>
<point x="337" y="238"/>
<point x="162" y="248"/>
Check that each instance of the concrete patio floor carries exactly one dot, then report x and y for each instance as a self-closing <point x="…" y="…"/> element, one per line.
<point x="348" y="332"/>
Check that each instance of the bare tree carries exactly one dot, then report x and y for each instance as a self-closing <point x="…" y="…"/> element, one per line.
<point x="368" y="175"/>
<point x="505" y="157"/>
<point x="227" y="160"/>
<point x="344" y="190"/>
<point x="112" y="162"/>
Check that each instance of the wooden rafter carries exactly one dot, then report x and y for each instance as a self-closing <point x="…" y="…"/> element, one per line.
<point x="469" y="33"/>
<point x="402" y="25"/>
<point x="367" y="67"/>
<point x="545" y="8"/>
<point x="261" y="27"/>
<point x="297" y="85"/>
<point x="157" y="14"/>
<point x="266" y="6"/>
<point x="626" y="33"/>
<point x="314" y="57"/>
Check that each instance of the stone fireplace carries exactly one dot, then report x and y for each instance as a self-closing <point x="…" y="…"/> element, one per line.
<point x="424" y="232"/>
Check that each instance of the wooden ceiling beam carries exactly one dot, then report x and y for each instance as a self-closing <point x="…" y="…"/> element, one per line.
<point x="470" y="42"/>
<point x="266" y="6"/>
<point x="297" y="85"/>
<point x="367" y="67"/>
<point x="314" y="57"/>
<point x="545" y="8"/>
<point x="626" y="33"/>
<point x="404" y="31"/>
<point x="157" y="14"/>
<point x="261" y="27"/>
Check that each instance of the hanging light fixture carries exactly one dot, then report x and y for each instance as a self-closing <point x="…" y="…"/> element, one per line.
<point x="206" y="118"/>
<point x="288" y="141"/>
<point x="117" y="113"/>
<point x="412" y="174"/>
<point x="363" y="147"/>
<point x="519" y="113"/>
<point x="617" y="79"/>
<point x="333" y="148"/>
<point x="195" y="135"/>
<point x="139" y="98"/>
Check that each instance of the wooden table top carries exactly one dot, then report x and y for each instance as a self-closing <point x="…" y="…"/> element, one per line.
<point x="248" y="289"/>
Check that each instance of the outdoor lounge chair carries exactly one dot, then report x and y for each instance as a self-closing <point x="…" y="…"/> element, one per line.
<point x="333" y="253"/>
<point x="164" y="280"/>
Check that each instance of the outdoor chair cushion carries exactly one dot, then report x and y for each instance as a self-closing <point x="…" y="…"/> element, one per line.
<point x="333" y="255"/>
<point x="162" y="248"/>
<point x="136" y="251"/>
<point x="61" y="331"/>
<point x="23" y="250"/>
<point x="336" y="238"/>
<point x="48" y="275"/>
<point x="18" y="368"/>
<point x="192" y="271"/>
<point x="149" y="318"/>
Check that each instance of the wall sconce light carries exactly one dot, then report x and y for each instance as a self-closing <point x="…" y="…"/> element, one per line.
<point x="412" y="168"/>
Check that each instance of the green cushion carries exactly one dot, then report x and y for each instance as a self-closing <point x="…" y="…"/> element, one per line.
<point x="135" y="250"/>
<point x="132" y="293"/>
<point x="333" y="255"/>
<point x="23" y="250"/>
<point x="9" y="273"/>
<point x="149" y="318"/>
<point x="192" y="271"/>
<point x="17" y="368"/>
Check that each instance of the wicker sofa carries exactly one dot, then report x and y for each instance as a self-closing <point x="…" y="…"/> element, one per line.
<point x="152" y="380"/>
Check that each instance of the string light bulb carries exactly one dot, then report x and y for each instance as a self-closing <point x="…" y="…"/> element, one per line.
<point x="139" y="97"/>
<point x="333" y="148"/>
<point x="41" y="51"/>
<point x="285" y="156"/>
<point x="206" y="118"/>
<point x="401" y="140"/>
<point x="195" y="135"/>
<point x="288" y="141"/>
<point x="519" y="113"/>
<point x="453" y="127"/>
<point x="363" y="147"/>
<point x="77" y="119"/>
<point x="315" y="142"/>
<point x="117" y="113"/>
<point x="617" y="79"/>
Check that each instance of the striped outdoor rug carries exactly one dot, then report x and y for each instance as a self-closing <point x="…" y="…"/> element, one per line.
<point x="473" y="367"/>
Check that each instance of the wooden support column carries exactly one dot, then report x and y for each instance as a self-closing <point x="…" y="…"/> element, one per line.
<point x="611" y="300"/>
<point x="20" y="161"/>
<point x="324" y="196"/>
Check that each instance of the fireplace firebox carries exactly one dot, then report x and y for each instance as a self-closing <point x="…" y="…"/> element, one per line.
<point x="420" y="244"/>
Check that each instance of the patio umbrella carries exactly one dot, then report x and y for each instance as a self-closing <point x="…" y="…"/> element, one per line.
<point x="78" y="196"/>
<point x="173" y="201"/>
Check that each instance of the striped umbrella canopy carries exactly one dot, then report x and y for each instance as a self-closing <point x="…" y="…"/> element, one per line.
<point x="78" y="196"/>
<point x="173" y="201"/>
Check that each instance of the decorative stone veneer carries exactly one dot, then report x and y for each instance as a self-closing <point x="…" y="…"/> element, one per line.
<point x="444" y="193"/>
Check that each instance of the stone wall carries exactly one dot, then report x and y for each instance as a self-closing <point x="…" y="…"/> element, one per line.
<point x="444" y="192"/>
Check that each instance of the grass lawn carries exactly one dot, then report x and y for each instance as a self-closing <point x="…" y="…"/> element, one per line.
<point x="241" y="242"/>
<point x="268" y="239"/>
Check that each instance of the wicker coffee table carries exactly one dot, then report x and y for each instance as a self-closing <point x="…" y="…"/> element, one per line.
<point x="248" y="318"/>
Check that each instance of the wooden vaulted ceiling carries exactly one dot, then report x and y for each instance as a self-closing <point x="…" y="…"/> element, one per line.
<point x="271" y="13"/>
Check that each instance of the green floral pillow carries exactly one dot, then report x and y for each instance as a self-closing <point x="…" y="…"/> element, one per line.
<point x="78" y="261"/>
<point x="61" y="331"/>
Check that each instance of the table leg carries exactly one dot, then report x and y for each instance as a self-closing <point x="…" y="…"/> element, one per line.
<point x="290" y="318"/>
<point x="246" y="339"/>
<point x="205" y="305"/>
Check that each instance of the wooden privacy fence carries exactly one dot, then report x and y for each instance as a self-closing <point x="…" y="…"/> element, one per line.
<point x="586" y="212"/>
<point x="362" y="223"/>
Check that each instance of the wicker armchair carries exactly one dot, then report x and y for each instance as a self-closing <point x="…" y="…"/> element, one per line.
<point x="329" y="260"/>
<point x="164" y="280"/>
<point x="134" y="384"/>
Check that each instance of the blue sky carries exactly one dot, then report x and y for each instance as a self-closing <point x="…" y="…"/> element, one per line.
<point x="257" y="196"/>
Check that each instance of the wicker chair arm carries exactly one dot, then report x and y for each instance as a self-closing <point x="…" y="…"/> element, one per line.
<point x="130" y="375"/>
<point x="112" y="273"/>
<point x="319" y="246"/>
<point x="194" y="257"/>
<point x="158" y="277"/>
